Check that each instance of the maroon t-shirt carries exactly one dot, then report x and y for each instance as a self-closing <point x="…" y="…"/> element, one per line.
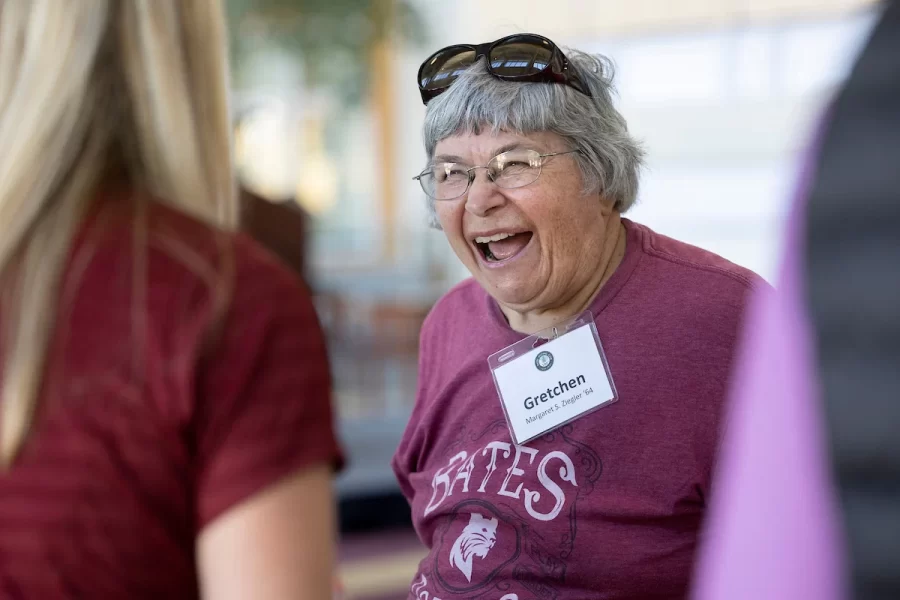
<point x="608" y="506"/>
<point x="157" y="415"/>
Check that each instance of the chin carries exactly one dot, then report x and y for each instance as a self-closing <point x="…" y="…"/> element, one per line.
<point x="512" y="296"/>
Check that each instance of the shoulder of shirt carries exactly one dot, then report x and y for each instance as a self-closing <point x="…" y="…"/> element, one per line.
<point x="251" y="259"/>
<point x="701" y="262"/>
<point x="200" y="251"/>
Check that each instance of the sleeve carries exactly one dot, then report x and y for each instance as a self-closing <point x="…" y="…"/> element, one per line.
<point x="405" y="460"/>
<point x="718" y="431"/>
<point x="772" y="515"/>
<point x="263" y="391"/>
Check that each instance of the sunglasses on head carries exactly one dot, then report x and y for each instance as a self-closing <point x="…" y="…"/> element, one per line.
<point x="525" y="57"/>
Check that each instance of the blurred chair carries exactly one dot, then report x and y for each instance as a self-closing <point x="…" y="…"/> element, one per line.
<point x="279" y="226"/>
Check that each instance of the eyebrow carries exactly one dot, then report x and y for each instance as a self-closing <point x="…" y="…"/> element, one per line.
<point x="452" y="158"/>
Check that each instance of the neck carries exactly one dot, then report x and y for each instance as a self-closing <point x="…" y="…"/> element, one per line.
<point x="612" y="253"/>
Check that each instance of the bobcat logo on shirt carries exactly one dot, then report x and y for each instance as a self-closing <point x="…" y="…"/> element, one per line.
<point x="477" y="539"/>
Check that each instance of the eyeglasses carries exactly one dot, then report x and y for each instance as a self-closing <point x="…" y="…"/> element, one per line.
<point x="523" y="57"/>
<point x="509" y="170"/>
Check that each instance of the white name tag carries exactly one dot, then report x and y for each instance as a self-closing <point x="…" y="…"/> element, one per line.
<point x="544" y="386"/>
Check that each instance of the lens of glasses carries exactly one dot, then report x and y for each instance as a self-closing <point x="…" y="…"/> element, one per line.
<point x="520" y="56"/>
<point x="513" y="169"/>
<point x="445" y="181"/>
<point x="516" y="168"/>
<point x="443" y="69"/>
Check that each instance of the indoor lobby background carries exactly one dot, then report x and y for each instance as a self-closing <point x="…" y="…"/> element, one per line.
<point x="723" y="93"/>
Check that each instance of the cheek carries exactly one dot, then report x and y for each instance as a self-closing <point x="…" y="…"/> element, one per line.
<point x="566" y="224"/>
<point x="550" y="215"/>
<point x="450" y="219"/>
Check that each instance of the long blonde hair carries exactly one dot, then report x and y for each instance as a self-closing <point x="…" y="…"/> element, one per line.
<point x="82" y="84"/>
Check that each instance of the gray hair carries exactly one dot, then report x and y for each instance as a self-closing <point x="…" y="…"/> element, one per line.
<point x="609" y="158"/>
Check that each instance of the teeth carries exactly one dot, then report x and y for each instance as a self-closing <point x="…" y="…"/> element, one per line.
<point x="494" y="238"/>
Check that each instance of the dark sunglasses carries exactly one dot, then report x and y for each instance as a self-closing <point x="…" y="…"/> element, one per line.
<point x="524" y="57"/>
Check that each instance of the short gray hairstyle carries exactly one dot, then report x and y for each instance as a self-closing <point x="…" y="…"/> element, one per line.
<point x="610" y="158"/>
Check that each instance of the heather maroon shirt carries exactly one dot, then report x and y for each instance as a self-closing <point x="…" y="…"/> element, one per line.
<point x="608" y="506"/>
<point x="154" y="420"/>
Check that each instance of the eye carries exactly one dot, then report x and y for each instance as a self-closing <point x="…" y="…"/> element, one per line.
<point x="515" y="163"/>
<point x="513" y="167"/>
<point x="449" y="172"/>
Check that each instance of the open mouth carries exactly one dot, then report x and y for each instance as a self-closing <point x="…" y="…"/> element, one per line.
<point x="502" y="246"/>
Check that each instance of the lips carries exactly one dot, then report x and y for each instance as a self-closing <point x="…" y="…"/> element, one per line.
<point x="501" y="246"/>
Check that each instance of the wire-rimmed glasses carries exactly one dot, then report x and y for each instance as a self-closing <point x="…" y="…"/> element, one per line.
<point x="509" y="170"/>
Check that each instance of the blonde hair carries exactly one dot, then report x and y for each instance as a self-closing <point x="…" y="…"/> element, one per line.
<point x="84" y="83"/>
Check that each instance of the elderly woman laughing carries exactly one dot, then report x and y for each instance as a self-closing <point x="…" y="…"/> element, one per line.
<point x="570" y="393"/>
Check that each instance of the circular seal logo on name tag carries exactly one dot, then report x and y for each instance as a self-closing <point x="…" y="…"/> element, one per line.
<point x="543" y="361"/>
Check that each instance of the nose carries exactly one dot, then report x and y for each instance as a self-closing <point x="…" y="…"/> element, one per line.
<point x="483" y="195"/>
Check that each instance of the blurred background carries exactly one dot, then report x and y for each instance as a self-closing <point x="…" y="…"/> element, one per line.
<point x="327" y="128"/>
